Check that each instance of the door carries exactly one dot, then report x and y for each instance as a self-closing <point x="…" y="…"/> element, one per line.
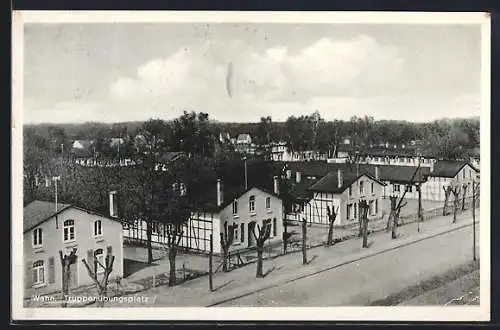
<point x="251" y="238"/>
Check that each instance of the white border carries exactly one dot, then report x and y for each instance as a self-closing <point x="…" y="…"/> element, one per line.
<point x="459" y="313"/>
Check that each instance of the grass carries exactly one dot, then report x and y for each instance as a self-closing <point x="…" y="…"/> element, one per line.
<point x="427" y="285"/>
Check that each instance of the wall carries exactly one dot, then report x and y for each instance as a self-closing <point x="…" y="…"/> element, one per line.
<point x="84" y="240"/>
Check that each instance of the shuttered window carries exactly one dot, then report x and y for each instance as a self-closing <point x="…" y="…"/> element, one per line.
<point x="38" y="272"/>
<point x="52" y="273"/>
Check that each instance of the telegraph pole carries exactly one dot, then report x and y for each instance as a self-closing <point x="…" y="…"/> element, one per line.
<point x="474" y="220"/>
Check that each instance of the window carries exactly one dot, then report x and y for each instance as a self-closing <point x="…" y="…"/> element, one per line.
<point x="376" y="206"/>
<point x="355" y="210"/>
<point x="349" y="211"/>
<point x="251" y="204"/>
<point x="268" y="202"/>
<point x="350" y="190"/>
<point x="242" y="236"/>
<point x="98" y="228"/>
<point x="361" y="187"/>
<point x="371" y="204"/>
<point x="267" y="222"/>
<point x="409" y="188"/>
<point x="274" y="227"/>
<point x="37" y="237"/>
<point x="235" y="207"/>
<point x="463" y="174"/>
<point x="38" y="273"/>
<point x="69" y="230"/>
<point x="235" y="228"/>
<point x="99" y="255"/>
<point x="372" y="187"/>
<point x="396" y="188"/>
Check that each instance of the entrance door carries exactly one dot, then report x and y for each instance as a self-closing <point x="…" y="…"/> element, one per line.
<point x="251" y="238"/>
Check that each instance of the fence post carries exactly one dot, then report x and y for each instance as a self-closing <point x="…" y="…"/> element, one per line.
<point x="210" y="264"/>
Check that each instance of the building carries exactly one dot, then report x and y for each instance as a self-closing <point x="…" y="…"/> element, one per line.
<point x="445" y="173"/>
<point x="48" y="230"/>
<point x="226" y="206"/>
<point x="341" y="190"/>
<point x="244" y="145"/>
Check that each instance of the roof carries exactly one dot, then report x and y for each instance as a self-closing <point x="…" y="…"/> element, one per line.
<point x="37" y="212"/>
<point x="171" y="156"/>
<point x="208" y="202"/>
<point x="84" y="143"/>
<point x="393" y="173"/>
<point x="449" y="168"/>
<point x="329" y="183"/>
<point x="301" y="190"/>
<point x="244" y="137"/>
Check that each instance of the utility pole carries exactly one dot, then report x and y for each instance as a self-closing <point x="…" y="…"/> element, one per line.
<point x="246" y="172"/>
<point x="56" y="178"/>
<point x="210" y="264"/>
<point x="474" y="220"/>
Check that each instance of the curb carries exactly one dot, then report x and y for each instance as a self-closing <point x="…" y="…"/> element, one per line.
<point x="362" y="257"/>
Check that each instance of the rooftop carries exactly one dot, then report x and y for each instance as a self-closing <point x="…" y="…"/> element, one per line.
<point x="37" y="212"/>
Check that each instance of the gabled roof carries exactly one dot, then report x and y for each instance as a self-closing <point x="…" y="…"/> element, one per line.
<point x="37" y="212"/>
<point x="449" y="168"/>
<point x="301" y="190"/>
<point x="329" y="183"/>
<point x="84" y="143"/>
<point x="244" y="137"/>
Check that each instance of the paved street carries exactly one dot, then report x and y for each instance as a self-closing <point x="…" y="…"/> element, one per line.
<point x="359" y="283"/>
<point x="349" y="283"/>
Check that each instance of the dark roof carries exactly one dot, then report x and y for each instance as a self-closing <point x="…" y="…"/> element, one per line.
<point x="449" y="168"/>
<point x="301" y="190"/>
<point x="329" y="183"/>
<point x="172" y="156"/>
<point x="393" y="173"/>
<point x="208" y="202"/>
<point x="37" y="212"/>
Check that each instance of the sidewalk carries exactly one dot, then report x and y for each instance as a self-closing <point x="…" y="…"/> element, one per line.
<point x="283" y="269"/>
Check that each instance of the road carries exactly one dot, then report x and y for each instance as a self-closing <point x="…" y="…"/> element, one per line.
<point x="373" y="278"/>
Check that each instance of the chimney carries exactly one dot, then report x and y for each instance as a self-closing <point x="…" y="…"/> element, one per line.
<point x="276" y="185"/>
<point x="220" y="193"/>
<point x="340" y="178"/>
<point x="376" y="173"/>
<point x="297" y="177"/>
<point x="113" y="204"/>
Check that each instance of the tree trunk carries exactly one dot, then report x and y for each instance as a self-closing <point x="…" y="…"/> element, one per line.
<point x="455" y="209"/>
<point x="304" y="241"/>
<point x="172" y="253"/>
<point x="446" y="197"/>
<point x="420" y="216"/>
<point x="224" y="260"/>
<point x="330" y="234"/>
<point x="394" y="225"/>
<point x="260" y="252"/>
<point x="285" y="236"/>
<point x="149" y="231"/>
<point x="463" y="197"/>
<point x="65" y="285"/>
<point x="365" y="233"/>
<point x="210" y="264"/>
<point x="389" y="221"/>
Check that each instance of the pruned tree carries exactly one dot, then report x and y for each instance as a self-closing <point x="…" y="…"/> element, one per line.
<point x="393" y="221"/>
<point x="226" y="240"/>
<point x="211" y="264"/>
<point x="304" y="241"/>
<point x="447" y="192"/>
<point x="66" y="261"/>
<point x="264" y="234"/>
<point x="332" y="216"/>
<point x="456" y="200"/>
<point x="464" y="193"/>
<point x="286" y="235"/>
<point x="363" y="210"/>
<point x="174" y="236"/>
<point x="92" y="270"/>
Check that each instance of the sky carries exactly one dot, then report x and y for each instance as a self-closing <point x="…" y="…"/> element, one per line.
<point x="106" y="72"/>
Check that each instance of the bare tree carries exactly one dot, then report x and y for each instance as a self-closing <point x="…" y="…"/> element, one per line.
<point x="66" y="262"/>
<point x="226" y="240"/>
<point x="174" y="236"/>
<point x="304" y="241"/>
<point x="363" y="210"/>
<point x="447" y="192"/>
<point x="420" y="213"/>
<point x="102" y="285"/>
<point x="264" y="233"/>
<point x="332" y="215"/>
<point x="393" y="221"/>
<point x="456" y="200"/>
